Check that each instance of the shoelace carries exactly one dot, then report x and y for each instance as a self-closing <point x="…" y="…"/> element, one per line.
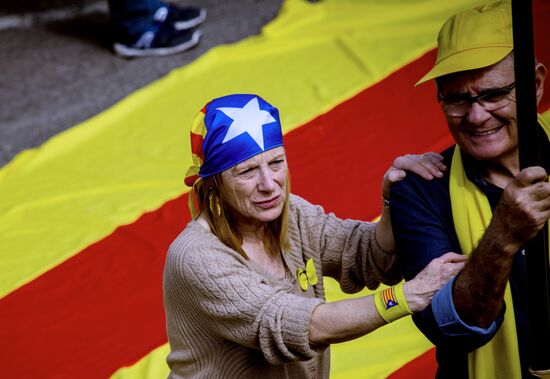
<point x="148" y="36"/>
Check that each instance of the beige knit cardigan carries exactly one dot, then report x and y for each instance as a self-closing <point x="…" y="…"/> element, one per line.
<point x="227" y="318"/>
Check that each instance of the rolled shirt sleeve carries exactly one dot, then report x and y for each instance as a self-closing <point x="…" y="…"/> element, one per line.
<point x="449" y="321"/>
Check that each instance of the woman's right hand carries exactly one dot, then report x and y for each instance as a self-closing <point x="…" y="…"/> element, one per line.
<point x="420" y="290"/>
<point x="428" y="166"/>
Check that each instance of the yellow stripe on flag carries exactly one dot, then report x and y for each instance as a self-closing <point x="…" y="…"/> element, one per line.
<point x="151" y="367"/>
<point x="80" y="185"/>
<point x="381" y="352"/>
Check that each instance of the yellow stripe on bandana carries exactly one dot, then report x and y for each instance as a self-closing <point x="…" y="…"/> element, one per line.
<point x="498" y="359"/>
<point x="81" y="185"/>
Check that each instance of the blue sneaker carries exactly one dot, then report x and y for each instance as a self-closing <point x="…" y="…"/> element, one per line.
<point x="185" y="17"/>
<point x="161" y="39"/>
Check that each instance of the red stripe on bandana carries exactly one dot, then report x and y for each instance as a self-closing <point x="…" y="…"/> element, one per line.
<point x="102" y="309"/>
<point x="196" y="145"/>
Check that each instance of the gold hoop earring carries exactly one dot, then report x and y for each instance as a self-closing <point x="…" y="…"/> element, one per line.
<point x="214" y="204"/>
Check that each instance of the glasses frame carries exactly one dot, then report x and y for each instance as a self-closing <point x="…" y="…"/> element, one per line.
<point x="506" y="90"/>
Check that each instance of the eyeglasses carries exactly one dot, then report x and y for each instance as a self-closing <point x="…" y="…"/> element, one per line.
<point x="491" y="100"/>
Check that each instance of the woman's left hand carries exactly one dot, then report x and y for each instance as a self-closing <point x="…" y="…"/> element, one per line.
<point x="427" y="165"/>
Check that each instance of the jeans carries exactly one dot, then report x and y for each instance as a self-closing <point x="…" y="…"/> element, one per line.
<point x="130" y="18"/>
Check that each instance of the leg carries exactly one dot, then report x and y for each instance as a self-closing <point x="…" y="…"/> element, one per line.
<point x="130" y="18"/>
<point x="152" y="27"/>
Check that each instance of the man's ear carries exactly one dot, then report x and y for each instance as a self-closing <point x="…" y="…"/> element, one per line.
<point x="540" y="75"/>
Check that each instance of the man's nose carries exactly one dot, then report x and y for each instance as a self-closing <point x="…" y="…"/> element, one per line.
<point x="477" y="114"/>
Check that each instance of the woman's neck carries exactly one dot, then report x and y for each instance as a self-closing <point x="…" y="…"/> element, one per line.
<point x="254" y="246"/>
<point x="252" y="232"/>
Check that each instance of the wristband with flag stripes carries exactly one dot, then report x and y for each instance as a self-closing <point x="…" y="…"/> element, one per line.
<point x="391" y="303"/>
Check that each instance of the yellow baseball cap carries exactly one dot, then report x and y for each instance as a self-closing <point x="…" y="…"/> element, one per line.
<point x="474" y="38"/>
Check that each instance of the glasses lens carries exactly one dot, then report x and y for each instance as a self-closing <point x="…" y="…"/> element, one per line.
<point x="495" y="99"/>
<point x="458" y="106"/>
<point x="455" y="107"/>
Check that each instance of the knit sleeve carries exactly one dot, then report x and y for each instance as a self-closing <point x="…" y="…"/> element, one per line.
<point x="233" y="302"/>
<point x="349" y="250"/>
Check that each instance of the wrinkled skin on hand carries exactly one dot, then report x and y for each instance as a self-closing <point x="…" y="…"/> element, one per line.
<point x="427" y="165"/>
<point x="420" y="290"/>
<point x="523" y="209"/>
<point x="521" y="212"/>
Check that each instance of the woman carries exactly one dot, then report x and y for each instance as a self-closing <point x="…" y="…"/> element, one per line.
<point x="243" y="283"/>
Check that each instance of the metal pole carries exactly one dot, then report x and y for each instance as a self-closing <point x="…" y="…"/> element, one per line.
<point x="536" y="250"/>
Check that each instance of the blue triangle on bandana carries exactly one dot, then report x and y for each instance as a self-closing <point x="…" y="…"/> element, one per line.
<point x="230" y="141"/>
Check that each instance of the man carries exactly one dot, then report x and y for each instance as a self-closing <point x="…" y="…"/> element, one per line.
<point x="485" y="206"/>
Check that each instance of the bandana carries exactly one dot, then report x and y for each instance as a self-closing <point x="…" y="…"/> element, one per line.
<point x="230" y="130"/>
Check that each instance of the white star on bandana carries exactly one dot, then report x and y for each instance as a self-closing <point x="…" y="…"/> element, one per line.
<point x="249" y="119"/>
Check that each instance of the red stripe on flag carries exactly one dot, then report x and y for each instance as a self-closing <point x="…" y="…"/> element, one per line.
<point x="98" y="311"/>
<point x="339" y="158"/>
<point x="422" y="367"/>
<point x="102" y="309"/>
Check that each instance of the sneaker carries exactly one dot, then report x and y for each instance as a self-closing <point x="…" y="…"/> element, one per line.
<point x="185" y="17"/>
<point x="160" y="39"/>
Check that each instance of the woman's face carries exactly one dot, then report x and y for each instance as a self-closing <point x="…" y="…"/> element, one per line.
<point x="256" y="188"/>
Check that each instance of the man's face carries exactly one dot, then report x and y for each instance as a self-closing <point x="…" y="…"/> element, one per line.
<point x="483" y="134"/>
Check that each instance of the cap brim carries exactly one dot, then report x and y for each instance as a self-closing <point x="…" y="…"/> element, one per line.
<point x="467" y="60"/>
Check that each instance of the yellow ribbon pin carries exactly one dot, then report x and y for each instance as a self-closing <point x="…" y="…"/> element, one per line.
<point x="307" y="276"/>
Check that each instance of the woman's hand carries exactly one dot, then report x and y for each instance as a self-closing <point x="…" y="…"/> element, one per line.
<point x="428" y="166"/>
<point x="420" y="290"/>
<point x="361" y="317"/>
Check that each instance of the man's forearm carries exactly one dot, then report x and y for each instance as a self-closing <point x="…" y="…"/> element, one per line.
<point x="478" y="291"/>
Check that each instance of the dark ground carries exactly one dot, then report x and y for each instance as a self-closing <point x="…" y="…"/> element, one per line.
<point x="57" y="68"/>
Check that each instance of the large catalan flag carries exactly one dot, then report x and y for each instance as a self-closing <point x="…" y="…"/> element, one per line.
<point x="86" y="219"/>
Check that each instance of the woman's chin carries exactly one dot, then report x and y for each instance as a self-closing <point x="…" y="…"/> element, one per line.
<point x="269" y="214"/>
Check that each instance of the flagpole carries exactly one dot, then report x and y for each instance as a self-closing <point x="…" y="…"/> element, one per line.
<point x="536" y="250"/>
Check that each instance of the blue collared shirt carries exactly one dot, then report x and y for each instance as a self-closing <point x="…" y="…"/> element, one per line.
<point x="423" y="227"/>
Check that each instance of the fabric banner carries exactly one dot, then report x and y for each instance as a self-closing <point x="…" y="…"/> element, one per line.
<point x="86" y="218"/>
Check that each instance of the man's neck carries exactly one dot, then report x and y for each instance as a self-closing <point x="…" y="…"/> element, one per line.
<point x="500" y="172"/>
